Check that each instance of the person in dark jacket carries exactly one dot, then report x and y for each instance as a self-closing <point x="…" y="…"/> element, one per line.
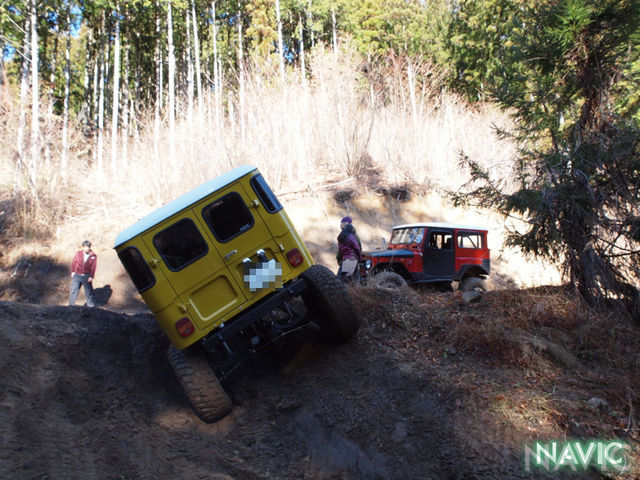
<point x="349" y="251"/>
<point x="83" y="270"/>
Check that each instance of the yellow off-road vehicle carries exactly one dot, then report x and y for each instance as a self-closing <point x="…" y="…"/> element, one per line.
<point x="223" y="270"/>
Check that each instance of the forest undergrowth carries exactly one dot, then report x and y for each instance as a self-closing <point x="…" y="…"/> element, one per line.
<point x="534" y="361"/>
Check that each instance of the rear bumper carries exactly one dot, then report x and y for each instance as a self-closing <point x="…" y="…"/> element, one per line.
<point x="222" y="342"/>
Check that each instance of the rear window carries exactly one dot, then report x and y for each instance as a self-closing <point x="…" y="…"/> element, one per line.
<point x="267" y="197"/>
<point x="137" y="268"/>
<point x="180" y="244"/>
<point x="470" y="240"/>
<point x="228" y="217"/>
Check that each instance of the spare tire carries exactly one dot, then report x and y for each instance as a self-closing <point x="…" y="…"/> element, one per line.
<point x="330" y="305"/>
<point x="207" y="397"/>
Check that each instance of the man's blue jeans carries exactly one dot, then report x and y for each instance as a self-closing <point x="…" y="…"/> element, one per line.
<point x="77" y="281"/>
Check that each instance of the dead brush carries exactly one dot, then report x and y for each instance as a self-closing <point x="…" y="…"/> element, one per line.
<point x="556" y="314"/>
<point x="540" y="307"/>
<point x="386" y="307"/>
<point x="32" y="218"/>
<point x="509" y="328"/>
<point x="487" y="338"/>
<point x="609" y="339"/>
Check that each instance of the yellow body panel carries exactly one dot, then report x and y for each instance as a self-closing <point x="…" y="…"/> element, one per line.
<point x="211" y="290"/>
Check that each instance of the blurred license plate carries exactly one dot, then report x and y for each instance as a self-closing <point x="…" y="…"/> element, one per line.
<point x="260" y="275"/>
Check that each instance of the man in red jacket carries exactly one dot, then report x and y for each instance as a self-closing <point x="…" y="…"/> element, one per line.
<point x="83" y="269"/>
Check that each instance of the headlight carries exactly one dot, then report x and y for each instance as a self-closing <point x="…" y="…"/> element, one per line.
<point x="367" y="264"/>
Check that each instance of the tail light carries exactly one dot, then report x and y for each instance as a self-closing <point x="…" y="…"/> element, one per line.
<point x="295" y="257"/>
<point x="185" y="327"/>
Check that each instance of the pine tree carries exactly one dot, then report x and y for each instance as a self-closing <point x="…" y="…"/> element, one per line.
<point x="579" y="165"/>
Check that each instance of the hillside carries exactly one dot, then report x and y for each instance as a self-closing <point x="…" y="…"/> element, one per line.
<point x="89" y="394"/>
<point x="431" y="387"/>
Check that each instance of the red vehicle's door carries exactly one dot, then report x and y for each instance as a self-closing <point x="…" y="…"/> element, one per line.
<point x="438" y="256"/>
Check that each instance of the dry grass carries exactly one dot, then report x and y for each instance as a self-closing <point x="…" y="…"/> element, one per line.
<point x="341" y="122"/>
<point x="519" y="390"/>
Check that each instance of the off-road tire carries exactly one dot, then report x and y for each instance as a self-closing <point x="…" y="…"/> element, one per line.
<point x="330" y="305"/>
<point x="387" y="279"/>
<point x="208" y="398"/>
<point x="473" y="283"/>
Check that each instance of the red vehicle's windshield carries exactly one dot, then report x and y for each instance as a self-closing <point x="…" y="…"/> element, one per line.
<point x="407" y="235"/>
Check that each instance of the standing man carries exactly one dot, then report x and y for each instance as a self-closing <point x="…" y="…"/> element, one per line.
<point x="83" y="269"/>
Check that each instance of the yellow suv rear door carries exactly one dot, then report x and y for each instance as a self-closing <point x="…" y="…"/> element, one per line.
<point x="236" y="228"/>
<point x="206" y="289"/>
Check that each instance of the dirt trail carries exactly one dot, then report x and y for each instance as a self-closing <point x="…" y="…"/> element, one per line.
<point x="88" y="393"/>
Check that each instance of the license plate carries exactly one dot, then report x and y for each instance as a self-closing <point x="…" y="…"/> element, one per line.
<point x="260" y="275"/>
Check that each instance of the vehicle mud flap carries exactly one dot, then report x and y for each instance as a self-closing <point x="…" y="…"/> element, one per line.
<point x="330" y="305"/>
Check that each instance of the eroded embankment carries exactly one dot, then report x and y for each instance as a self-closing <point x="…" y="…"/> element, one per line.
<point x="87" y="393"/>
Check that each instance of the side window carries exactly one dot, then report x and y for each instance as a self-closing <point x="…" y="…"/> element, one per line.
<point x="228" y="217"/>
<point x="180" y="244"/>
<point x="267" y="197"/>
<point x="469" y="240"/>
<point x="440" y="240"/>
<point x="137" y="268"/>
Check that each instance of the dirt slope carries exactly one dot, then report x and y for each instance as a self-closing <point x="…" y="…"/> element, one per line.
<point x="88" y="393"/>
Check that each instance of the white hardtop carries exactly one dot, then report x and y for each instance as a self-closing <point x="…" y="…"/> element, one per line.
<point x="181" y="203"/>
<point x="455" y="226"/>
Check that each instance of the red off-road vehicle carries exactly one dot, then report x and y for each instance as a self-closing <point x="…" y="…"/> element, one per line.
<point x="431" y="253"/>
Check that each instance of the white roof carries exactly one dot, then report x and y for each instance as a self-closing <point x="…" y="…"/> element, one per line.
<point x="442" y="225"/>
<point x="181" y="203"/>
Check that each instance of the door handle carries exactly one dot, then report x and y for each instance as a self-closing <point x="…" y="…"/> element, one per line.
<point x="230" y="254"/>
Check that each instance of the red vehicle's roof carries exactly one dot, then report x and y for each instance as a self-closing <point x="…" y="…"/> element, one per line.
<point x="456" y="226"/>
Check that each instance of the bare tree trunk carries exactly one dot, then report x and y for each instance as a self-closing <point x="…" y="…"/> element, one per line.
<point x="411" y="77"/>
<point x="303" y="67"/>
<point x="86" y="110"/>
<point x="64" y="162"/>
<point x="172" y="79"/>
<point x="24" y="92"/>
<point x="125" y="111"/>
<point x="196" y="49"/>
<point x="189" y="59"/>
<point x="159" y="86"/>
<point x="103" y="47"/>
<point x="49" y="97"/>
<point x="96" y="88"/>
<point x="217" y="73"/>
<point x="310" y="23"/>
<point x="115" y="101"/>
<point x="35" y="103"/>
<point x="334" y="30"/>
<point x="280" y="41"/>
<point x="232" y="115"/>
<point x="3" y="81"/>
<point x="241" y="79"/>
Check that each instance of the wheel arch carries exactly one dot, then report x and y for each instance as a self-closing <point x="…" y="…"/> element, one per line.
<point x="472" y="271"/>
<point x="396" y="267"/>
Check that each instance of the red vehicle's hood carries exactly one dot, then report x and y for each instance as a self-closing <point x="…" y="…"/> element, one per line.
<point x="390" y="252"/>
